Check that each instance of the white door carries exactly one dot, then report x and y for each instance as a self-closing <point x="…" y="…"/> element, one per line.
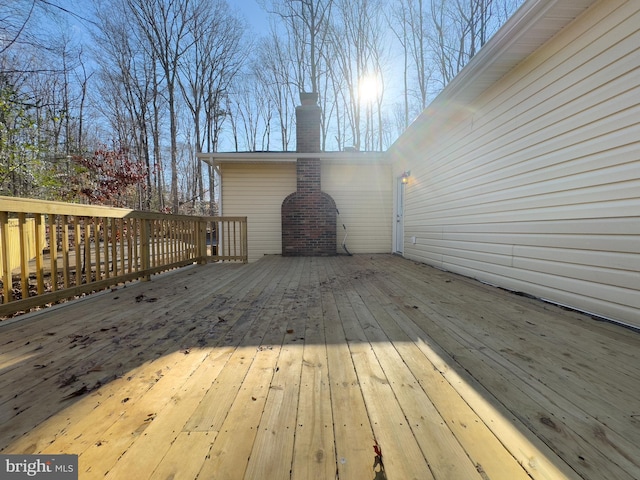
<point x="399" y="231"/>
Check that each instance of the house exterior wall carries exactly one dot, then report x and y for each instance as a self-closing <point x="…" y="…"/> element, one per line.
<point x="363" y="196"/>
<point x="361" y="189"/>
<point x="535" y="186"/>
<point x="257" y="191"/>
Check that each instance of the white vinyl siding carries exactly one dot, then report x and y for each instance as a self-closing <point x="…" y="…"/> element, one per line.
<point x="536" y="185"/>
<point x="257" y="192"/>
<point x="363" y="195"/>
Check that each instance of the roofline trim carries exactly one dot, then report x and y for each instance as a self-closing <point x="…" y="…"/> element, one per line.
<point x="217" y="158"/>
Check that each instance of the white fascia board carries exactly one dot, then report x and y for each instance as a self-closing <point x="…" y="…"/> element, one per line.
<point x="218" y="158"/>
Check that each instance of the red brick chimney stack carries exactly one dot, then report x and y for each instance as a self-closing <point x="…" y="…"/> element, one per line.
<point x="308" y="124"/>
<point x="308" y="215"/>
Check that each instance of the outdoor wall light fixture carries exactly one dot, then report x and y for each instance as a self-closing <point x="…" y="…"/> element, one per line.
<point x="405" y="176"/>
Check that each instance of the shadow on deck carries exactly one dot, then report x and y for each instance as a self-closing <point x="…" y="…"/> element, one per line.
<point x="297" y="367"/>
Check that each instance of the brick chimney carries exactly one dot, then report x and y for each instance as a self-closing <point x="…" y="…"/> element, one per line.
<point x="308" y="214"/>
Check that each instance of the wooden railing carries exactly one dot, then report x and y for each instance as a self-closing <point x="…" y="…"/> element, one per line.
<point x="27" y="244"/>
<point x="51" y="251"/>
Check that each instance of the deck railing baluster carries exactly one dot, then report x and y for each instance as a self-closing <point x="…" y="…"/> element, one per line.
<point x="53" y="250"/>
<point x="65" y="251"/>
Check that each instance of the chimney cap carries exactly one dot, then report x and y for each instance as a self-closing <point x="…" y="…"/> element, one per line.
<point x="309" y="98"/>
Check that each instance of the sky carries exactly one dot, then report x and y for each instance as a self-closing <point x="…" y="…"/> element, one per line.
<point x="253" y="13"/>
<point x="251" y="10"/>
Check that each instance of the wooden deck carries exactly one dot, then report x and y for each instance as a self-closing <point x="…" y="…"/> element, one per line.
<point x="296" y="367"/>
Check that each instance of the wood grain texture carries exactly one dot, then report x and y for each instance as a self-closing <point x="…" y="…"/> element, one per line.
<point x="297" y="367"/>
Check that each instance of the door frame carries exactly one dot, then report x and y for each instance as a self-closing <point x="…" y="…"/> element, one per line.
<point x="398" y="222"/>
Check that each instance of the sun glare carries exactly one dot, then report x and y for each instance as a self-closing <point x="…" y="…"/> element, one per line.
<point x="369" y="88"/>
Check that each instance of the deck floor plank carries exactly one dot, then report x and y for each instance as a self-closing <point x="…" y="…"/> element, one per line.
<point x="314" y="451"/>
<point x="401" y="454"/>
<point x="418" y="351"/>
<point x="227" y="369"/>
<point x="272" y="453"/>
<point x="354" y="437"/>
<point x="532" y="402"/>
<point x="411" y="302"/>
<point x="446" y="457"/>
<point x="232" y="447"/>
<point x="134" y="450"/>
<point x="90" y="352"/>
<point x="296" y="367"/>
<point x="177" y="463"/>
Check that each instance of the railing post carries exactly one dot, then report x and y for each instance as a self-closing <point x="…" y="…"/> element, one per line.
<point x="201" y="227"/>
<point x="65" y="251"/>
<point x="245" y="241"/>
<point x="7" y="281"/>
<point x="39" y="247"/>
<point x="145" y="247"/>
<point x="53" y="251"/>
<point x="77" y="249"/>
<point x="24" y="254"/>
<point x="222" y="244"/>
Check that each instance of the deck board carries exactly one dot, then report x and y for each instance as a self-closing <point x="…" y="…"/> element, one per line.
<point x="314" y="451"/>
<point x="296" y="367"/>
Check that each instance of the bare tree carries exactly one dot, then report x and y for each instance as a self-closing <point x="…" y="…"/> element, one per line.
<point x="306" y="22"/>
<point x="251" y="113"/>
<point x="399" y="23"/>
<point x="39" y="72"/>
<point x="461" y="28"/>
<point x="165" y="25"/>
<point x="271" y="68"/>
<point x="410" y="23"/>
<point x="82" y="78"/>
<point x="130" y="87"/>
<point x="13" y="21"/>
<point x="170" y="69"/>
<point x="209" y="67"/>
<point x="358" y="42"/>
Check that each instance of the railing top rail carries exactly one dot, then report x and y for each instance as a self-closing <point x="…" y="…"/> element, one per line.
<point x="28" y="205"/>
<point x="225" y="219"/>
